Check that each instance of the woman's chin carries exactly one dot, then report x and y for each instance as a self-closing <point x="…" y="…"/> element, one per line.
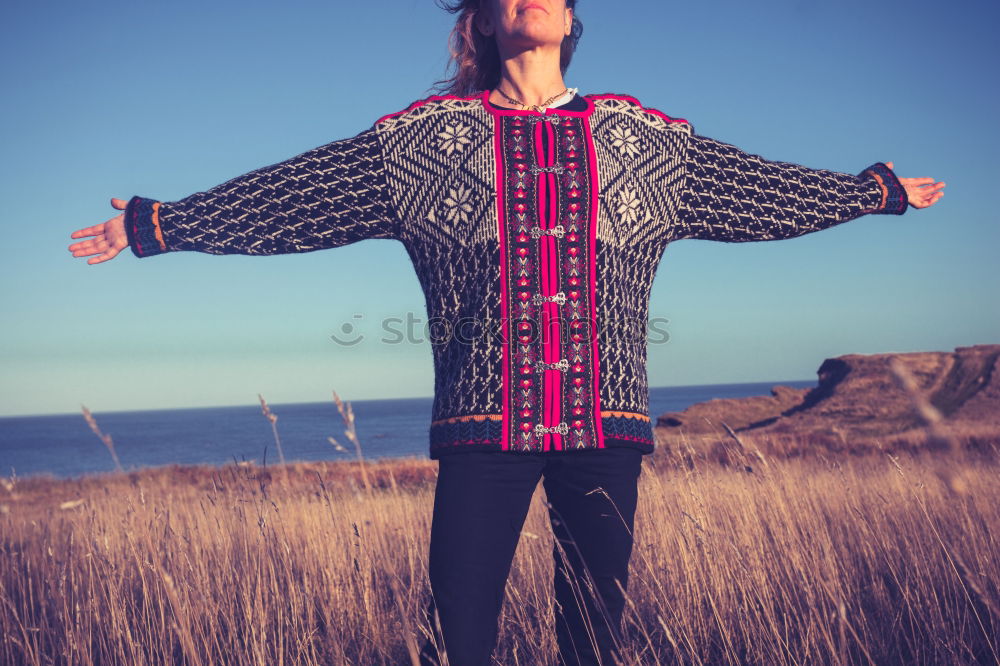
<point x="534" y="34"/>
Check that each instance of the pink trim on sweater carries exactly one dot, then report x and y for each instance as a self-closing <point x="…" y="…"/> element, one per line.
<point x="484" y="97"/>
<point x="547" y="281"/>
<point x="544" y="280"/>
<point x="555" y="351"/>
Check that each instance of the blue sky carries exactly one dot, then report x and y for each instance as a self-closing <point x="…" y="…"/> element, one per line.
<point x="166" y="99"/>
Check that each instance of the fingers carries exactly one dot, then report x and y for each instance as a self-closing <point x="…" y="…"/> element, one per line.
<point x="107" y="238"/>
<point x="110" y="254"/>
<point x="102" y="249"/>
<point x="89" y="231"/>
<point x="921" y="192"/>
<point x="928" y="196"/>
<point x="89" y="246"/>
<point x="889" y="164"/>
<point x="103" y="238"/>
<point x="923" y="189"/>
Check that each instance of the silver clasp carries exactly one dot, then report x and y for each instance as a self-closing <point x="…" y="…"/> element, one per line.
<point x="542" y="119"/>
<point x="562" y="429"/>
<point x="559" y="297"/>
<point x="558" y="231"/>
<point x="557" y="169"/>
<point x="562" y="365"/>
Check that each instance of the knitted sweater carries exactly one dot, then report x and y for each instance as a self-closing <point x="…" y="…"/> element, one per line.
<point x="535" y="237"/>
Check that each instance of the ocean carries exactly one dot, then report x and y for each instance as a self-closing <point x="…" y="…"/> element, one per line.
<point x="64" y="446"/>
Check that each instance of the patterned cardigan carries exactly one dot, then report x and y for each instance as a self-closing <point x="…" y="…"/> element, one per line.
<point x="535" y="237"/>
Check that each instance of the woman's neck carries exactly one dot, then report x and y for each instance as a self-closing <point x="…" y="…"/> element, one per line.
<point x="531" y="77"/>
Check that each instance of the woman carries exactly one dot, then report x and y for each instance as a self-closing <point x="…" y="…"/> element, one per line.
<point x="535" y="219"/>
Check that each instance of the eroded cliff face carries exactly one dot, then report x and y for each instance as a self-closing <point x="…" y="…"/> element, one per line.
<point x="858" y="396"/>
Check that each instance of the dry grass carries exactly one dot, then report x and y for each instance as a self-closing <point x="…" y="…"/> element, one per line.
<point x="853" y="560"/>
<point x="747" y="551"/>
<point x="755" y="449"/>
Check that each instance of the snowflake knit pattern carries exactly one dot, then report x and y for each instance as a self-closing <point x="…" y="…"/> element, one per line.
<point x="535" y="238"/>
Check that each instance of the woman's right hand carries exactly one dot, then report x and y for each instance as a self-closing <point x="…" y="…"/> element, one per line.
<point x="108" y="237"/>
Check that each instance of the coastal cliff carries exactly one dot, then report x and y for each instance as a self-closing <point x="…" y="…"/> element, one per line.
<point x="859" y="398"/>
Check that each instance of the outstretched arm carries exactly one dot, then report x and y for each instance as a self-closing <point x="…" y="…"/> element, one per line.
<point x="734" y="196"/>
<point x="326" y="197"/>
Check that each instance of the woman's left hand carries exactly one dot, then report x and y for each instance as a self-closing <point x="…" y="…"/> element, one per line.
<point x="921" y="192"/>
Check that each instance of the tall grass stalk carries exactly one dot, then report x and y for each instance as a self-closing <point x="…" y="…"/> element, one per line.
<point x="273" y="420"/>
<point x="350" y="431"/>
<point x="108" y="442"/>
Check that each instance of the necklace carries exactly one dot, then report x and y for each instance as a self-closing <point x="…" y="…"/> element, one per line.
<point x="533" y="107"/>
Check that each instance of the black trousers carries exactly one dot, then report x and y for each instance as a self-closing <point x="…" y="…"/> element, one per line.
<point x="480" y="503"/>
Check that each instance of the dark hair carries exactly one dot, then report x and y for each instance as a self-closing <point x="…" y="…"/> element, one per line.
<point x="475" y="59"/>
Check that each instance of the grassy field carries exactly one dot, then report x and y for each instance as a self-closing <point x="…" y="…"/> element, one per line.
<point x="826" y="559"/>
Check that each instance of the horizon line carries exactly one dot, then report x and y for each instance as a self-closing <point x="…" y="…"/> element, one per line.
<point x="354" y="401"/>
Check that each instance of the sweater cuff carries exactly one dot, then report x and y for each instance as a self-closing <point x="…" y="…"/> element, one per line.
<point x="142" y="227"/>
<point x="894" y="200"/>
